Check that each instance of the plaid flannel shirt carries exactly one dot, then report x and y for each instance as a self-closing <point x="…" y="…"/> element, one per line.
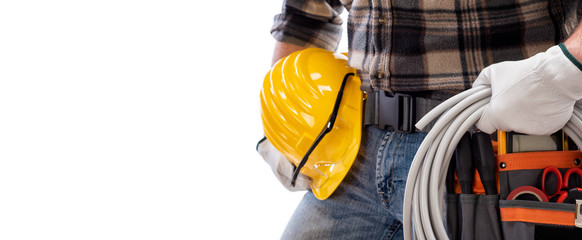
<point x="432" y="45"/>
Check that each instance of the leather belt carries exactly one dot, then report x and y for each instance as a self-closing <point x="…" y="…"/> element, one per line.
<point x="397" y="111"/>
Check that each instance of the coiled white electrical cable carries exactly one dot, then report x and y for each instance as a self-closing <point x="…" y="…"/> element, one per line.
<point x="425" y="185"/>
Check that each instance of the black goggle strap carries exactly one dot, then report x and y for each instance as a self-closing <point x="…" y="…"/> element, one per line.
<point x="327" y="128"/>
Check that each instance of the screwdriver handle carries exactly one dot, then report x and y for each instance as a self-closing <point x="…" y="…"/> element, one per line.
<point x="465" y="164"/>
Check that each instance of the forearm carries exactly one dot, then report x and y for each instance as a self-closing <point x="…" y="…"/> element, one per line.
<point x="574" y="43"/>
<point x="283" y="49"/>
<point x="307" y="23"/>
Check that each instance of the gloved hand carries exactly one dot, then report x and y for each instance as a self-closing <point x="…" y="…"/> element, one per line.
<point x="534" y="96"/>
<point x="282" y="167"/>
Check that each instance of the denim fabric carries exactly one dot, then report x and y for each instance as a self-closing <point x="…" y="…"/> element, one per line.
<point x="368" y="203"/>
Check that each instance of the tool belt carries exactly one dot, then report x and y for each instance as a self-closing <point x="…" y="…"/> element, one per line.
<point x="396" y="111"/>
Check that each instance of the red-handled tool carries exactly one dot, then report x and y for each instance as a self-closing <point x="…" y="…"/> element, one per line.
<point x="570" y="196"/>
<point x="551" y="181"/>
<point x="571" y="180"/>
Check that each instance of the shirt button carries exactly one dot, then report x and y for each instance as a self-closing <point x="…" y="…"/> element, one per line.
<point x="380" y="74"/>
<point x="382" y="21"/>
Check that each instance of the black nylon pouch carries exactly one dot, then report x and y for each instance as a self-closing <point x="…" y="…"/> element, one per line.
<point x="452" y="216"/>
<point x="480" y="217"/>
<point x="475" y="217"/>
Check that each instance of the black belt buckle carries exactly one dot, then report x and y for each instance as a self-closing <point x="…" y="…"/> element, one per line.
<point x="395" y="111"/>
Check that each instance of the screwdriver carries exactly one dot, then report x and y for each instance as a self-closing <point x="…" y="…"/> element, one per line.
<point x="450" y="180"/>
<point x="484" y="160"/>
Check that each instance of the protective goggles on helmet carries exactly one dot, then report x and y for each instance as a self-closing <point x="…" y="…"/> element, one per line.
<point x="299" y="121"/>
<point x="328" y="127"/>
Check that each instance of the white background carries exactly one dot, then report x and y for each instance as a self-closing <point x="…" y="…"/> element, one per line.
<point x="136" y="120"/>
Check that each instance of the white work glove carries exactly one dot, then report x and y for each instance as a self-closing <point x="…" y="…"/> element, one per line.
<point x="534" y="96"/>
<point x="282" y="167"/>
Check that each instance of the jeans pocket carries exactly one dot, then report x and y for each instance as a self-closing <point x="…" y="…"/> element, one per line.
<point x="397" y="159"/>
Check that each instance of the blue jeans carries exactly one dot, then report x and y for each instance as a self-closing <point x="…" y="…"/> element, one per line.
<point x="368" y="203"/>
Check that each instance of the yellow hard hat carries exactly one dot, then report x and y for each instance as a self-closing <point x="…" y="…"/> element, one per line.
<point x="311" y="107"/>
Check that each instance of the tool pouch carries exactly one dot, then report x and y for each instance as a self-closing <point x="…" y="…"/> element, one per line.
<point x="532" y="219"/>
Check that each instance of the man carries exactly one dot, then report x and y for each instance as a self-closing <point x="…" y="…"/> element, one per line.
<point x="432" y="50"/>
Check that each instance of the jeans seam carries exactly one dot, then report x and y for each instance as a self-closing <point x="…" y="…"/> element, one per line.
<point x="392" y="230"/>
<point x="392" y="190"/>
<point x="379" y="166"/>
